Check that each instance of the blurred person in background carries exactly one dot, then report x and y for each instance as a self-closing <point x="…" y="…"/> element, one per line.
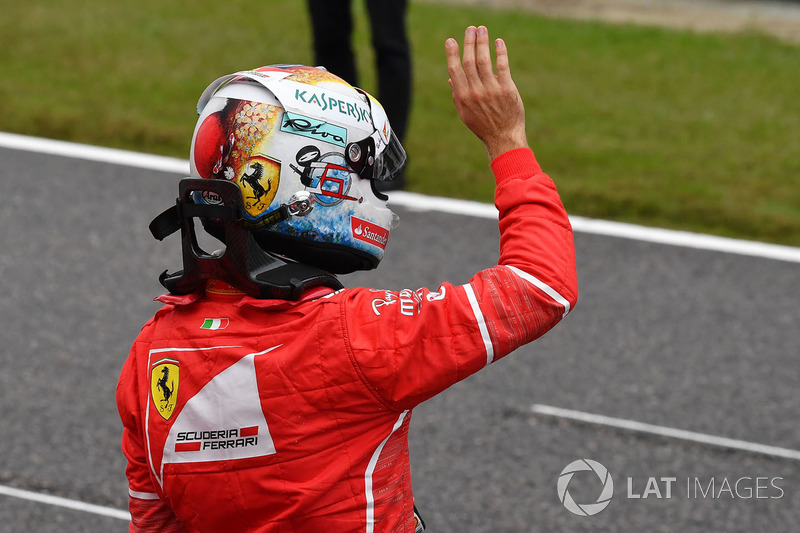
<point x="332" y="29"/>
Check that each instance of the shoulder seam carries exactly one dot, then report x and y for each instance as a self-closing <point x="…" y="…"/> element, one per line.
<point x="346" y="341"/>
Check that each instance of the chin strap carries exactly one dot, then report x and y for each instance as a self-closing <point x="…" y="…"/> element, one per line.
<point x="243" y="264"/>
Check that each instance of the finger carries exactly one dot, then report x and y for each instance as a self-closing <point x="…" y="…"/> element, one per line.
<point x="483" y="57"/>
<point x="457" y="78"/>
<point x="468" y="61"/>
<point x="456" y="100"/>
<point x="503" y="68"/>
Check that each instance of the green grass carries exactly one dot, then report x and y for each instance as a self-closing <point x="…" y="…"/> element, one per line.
<point x="643" y="125"/>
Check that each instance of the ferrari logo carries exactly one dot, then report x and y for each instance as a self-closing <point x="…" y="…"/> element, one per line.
<point x="259" y="183"/>
<point x="164" y="386"/>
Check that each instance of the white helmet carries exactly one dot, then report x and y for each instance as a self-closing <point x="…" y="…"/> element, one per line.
<point x="303" y="142"/>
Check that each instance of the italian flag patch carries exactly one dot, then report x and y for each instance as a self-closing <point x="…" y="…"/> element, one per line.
<point x="215" y="323"/>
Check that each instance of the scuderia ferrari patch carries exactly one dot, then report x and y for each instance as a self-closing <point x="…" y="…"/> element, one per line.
<point x="164" y="380"/>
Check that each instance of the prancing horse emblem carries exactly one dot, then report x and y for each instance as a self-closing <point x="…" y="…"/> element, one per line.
<point x="252" y="180"/>
<point x="164" y="380"/>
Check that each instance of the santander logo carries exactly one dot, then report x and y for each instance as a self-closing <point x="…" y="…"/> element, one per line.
<point x="369" y="232"/>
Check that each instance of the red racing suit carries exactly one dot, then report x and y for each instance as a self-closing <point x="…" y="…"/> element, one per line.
<point x="255" y="415"/>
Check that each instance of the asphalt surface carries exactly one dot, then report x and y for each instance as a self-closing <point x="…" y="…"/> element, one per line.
<point x="688" y="339"/>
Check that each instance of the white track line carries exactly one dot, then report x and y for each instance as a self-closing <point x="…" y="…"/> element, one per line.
<point x="94" y="153"/>
<point x="639" y="427"/>
<point x="423" y="203"/>
<point x="65" y="502"/>
<point x="686" y="239"/>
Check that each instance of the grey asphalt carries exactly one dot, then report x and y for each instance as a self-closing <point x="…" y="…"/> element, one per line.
<point x="689" y="339"/>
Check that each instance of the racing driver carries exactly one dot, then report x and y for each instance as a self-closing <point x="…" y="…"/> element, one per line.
<point x="265" y="397"/>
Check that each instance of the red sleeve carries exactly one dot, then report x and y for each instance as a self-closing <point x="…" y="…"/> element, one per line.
<point x="153" y="516"/>
<point x="410" y="345"/>
<point x="149" y="512"/>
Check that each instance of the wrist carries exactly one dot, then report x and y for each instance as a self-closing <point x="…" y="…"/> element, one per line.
<point x="519" y="163"/>
<point x="496" y="146"/>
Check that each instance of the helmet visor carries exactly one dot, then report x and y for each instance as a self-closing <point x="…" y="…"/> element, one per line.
<point x="390" y="161"/>
<point x="389" y="155"/>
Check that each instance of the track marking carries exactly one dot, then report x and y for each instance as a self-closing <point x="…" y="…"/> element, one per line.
<point x="639" y="427"/>
<point x="420" y="202"/>
<point x="94" y="153"/>
<point x="65" y="502"/>
<point x="686" y="239"/>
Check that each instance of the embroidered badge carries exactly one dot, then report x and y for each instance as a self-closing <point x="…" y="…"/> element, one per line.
<point x="164" y="379"/>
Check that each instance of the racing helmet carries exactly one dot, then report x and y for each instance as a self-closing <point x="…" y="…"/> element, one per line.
<point x="303" y="143"/>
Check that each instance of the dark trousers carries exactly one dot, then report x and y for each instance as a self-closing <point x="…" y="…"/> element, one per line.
<point x="332" y="27"/>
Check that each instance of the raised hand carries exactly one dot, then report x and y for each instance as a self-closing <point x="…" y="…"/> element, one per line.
<point x="489" y="104"/>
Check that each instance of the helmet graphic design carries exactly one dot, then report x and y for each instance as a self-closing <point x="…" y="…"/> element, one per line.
<point x="302" y="139"/>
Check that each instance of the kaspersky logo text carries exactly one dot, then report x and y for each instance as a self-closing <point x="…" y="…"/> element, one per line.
<point x="326" y="103"/>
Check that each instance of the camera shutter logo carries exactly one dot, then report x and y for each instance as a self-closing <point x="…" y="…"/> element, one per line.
<point x="585" y="509"/>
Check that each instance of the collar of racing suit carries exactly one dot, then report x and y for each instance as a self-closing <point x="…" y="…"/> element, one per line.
<point x="219" y="290"/>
